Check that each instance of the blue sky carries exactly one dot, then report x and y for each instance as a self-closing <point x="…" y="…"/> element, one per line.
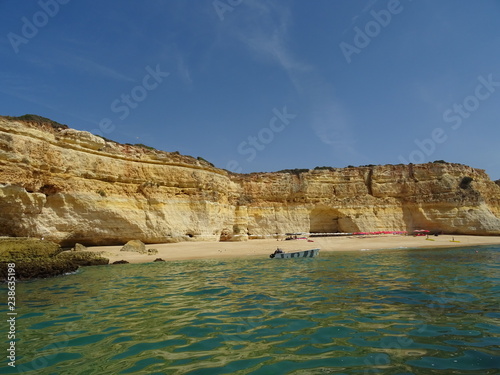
<point x="257" y="85"/>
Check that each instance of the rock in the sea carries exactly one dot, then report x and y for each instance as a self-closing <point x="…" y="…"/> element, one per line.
<point x="135" y="245"/>
<point x="79" y="247"/>
<point x="84" y="258"/>
<point x="120" y="262"/>
<point x="158" y="260"/>
<point x="35" y="268"/>
<point x="33" y="258"/>
<point x="12" y="248"/>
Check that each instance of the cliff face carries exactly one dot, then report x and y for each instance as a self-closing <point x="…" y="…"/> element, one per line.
<point x="70" y="186"/>
<point x="391" y="197"/>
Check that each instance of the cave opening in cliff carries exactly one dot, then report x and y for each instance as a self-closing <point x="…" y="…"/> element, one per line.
<point x="325" y="220"/>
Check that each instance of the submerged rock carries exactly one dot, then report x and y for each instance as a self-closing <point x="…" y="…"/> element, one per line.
<point x="120" y="262"/>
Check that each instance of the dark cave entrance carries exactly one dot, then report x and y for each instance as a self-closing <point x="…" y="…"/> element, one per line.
<point x="324" y="220"/>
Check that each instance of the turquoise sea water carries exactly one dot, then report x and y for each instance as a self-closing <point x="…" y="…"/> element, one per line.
<point x="400" y="312"/>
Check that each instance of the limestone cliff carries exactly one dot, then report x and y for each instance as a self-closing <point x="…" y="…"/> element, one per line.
<point x="71" y="186"/>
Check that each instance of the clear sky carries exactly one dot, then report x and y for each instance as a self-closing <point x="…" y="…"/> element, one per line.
<point x="263" y="85"/>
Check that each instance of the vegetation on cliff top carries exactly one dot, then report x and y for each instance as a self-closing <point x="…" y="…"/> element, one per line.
<point x="141" y="145"/>
<point x="46" y="122"/>
<point x="39" y="120"/>
<point x="295" y="171"/>
<point x="465" y="183"/>
<point x="324" y="168"/>
<point x="440" y="162"/>
<point x="43" y="121"/>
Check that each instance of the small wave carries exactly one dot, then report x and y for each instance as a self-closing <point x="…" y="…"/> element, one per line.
<point x="339" y="314"/>
<point x="72" y="273"/>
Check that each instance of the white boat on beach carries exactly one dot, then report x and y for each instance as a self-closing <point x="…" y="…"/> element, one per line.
<point x="279" y="254"/>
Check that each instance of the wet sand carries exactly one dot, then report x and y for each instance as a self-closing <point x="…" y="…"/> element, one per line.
<point x="262" y="248"/>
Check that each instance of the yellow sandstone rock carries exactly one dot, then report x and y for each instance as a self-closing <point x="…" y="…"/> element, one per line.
<point x="70" y="186"/>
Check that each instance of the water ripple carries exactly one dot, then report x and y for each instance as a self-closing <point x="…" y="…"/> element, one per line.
<point x="394" y="312"/>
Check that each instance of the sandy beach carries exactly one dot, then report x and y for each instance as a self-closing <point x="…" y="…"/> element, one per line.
<point x="263" y="247"/>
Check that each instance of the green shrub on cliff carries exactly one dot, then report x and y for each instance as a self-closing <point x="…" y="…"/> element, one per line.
<point x="144" y="146"/>
<point x="205" y="161"/>
<point x="38" y="120"/>
<point x="465" y="183"/>
<point x="324" y="168"/>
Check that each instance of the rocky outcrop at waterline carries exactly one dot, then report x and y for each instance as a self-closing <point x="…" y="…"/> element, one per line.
<point x="71" y="186"/>
<point x="33" y="258"/>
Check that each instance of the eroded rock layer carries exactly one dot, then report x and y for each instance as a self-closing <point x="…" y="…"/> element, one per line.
<point x="71" y="186"/>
